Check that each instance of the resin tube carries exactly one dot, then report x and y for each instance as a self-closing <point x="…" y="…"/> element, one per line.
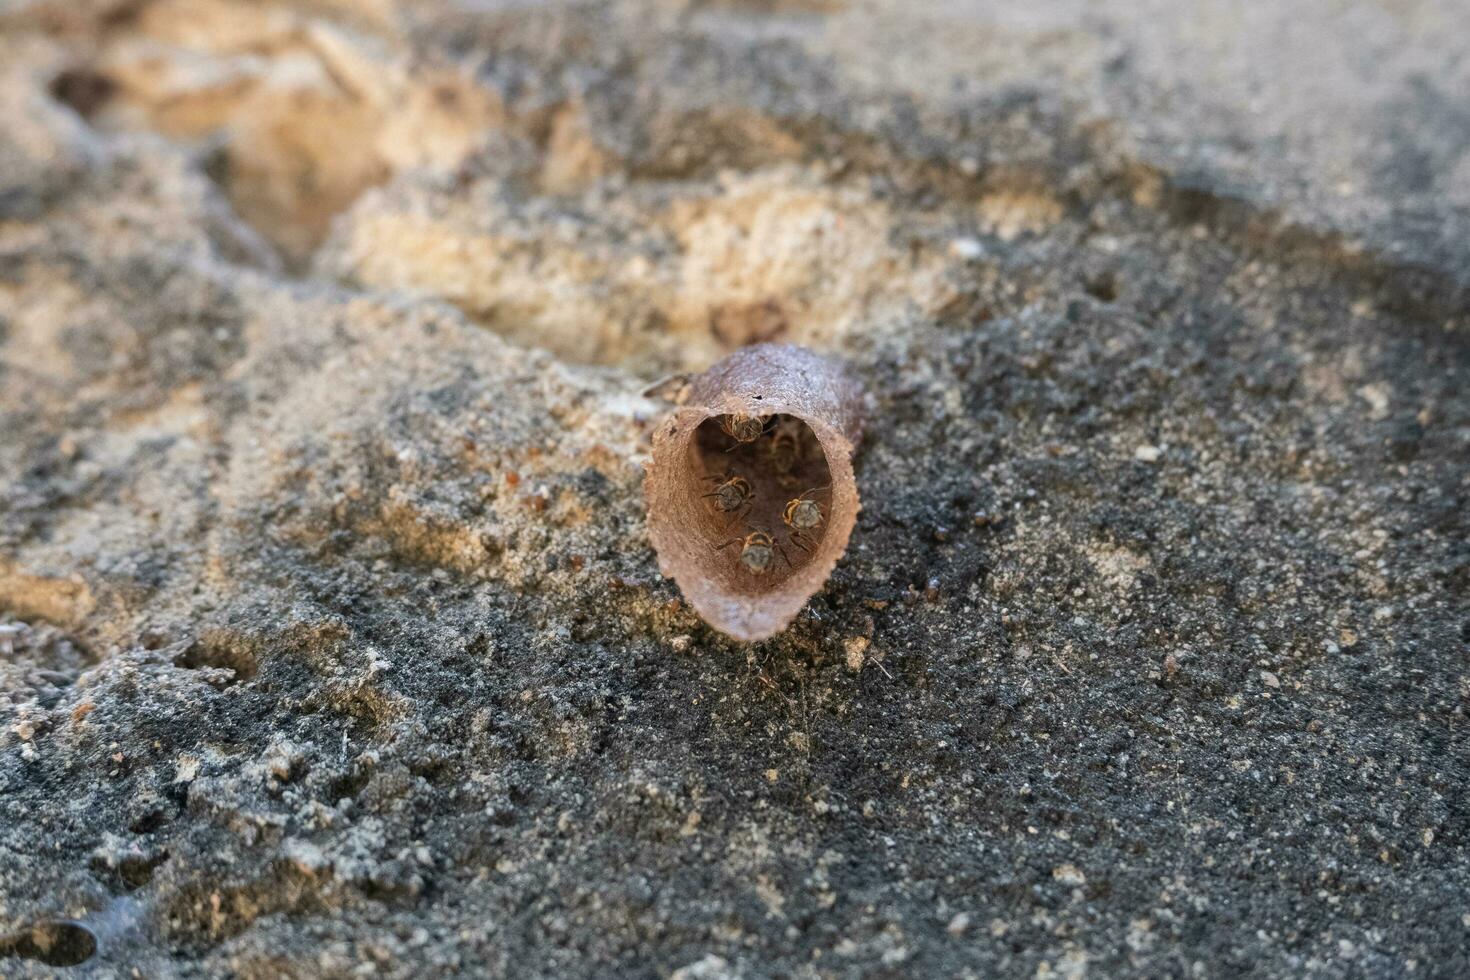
<point x="751" y="496"/>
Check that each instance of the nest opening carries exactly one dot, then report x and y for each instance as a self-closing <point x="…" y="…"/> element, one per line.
<point x="56" y="943"/>
<point x="751" y="496"/>
<point x="762" y="485"/>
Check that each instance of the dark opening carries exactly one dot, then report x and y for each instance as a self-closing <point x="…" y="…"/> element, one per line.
<point x="783" y="464"/>
<point x="131" y="872"/>
<point x="53" y="943"/>
<point x="85" y="91"/>
<point x="221" y="649"/>
<point x="1103" y="287"/>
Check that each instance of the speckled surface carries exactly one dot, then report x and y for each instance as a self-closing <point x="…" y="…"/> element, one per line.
<point x="331" y="640"/>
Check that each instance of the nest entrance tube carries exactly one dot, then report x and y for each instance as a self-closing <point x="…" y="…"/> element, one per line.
<point x="750" y="492"/>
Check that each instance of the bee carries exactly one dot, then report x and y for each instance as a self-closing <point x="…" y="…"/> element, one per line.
<point x="743" y="428"/>
<point x="785" y="448"/>
<point x="732" y="494"/>
<point x="803" y="516"/>
<point x="757" y="551"/>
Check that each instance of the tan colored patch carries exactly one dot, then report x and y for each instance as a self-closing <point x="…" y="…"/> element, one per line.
<point x="184" y="410"/>
<point x="436" y="120"/>
<point x="774" y="255"/>
<point x="38" y="306"/>
<point x="565" y="300"/>
<point x="1118" y="567"/>
<point x="573" y="157"/>
<point x="63" y="602"/>
<point x="428" y="538"/>
<point x="739" y="324"/>
<point x="1008" y="214"/>
<point x="820" y="253"/>
<point x="308" y="114"/>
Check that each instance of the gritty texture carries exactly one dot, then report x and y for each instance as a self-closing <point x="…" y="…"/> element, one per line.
<point x="331" y="639"/>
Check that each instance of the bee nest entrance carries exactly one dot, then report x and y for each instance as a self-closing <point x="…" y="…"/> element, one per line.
<point x="777" y="485"/>
<point x="751" y="495"/>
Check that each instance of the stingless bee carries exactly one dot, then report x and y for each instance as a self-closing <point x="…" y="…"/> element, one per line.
<point x="757" y="551"/>
<point x="803" y="516"/>
<point x="743" y="428"/>
<point x="732" y="494"/>
<point x="785" y="448"/>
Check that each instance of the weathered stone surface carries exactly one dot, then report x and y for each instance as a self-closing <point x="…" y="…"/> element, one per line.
<point x="331" y="640"/>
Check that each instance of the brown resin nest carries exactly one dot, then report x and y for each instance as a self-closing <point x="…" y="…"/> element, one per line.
<point x="751" y="495"/>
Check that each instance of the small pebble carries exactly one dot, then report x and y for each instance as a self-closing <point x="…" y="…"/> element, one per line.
<point x="967" y="249"/>
<point x="1068" y="874"/>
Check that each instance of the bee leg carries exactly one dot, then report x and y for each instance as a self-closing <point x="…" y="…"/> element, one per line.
<point x="783" y="555"/>
<point x="721" y="547"/>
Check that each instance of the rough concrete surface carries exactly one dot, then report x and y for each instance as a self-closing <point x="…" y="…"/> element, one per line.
<point x="331" y="640"/>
